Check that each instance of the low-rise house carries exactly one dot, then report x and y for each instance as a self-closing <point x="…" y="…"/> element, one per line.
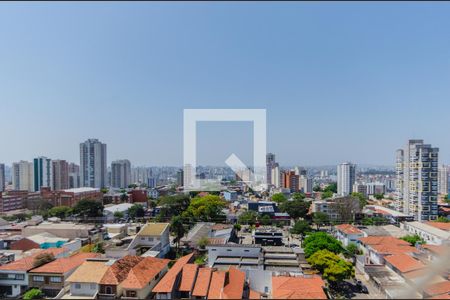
<point x="85" y="281"/>
<point x="110" y="210"/>
<point x="427" y="231"/>
<point x="51" y="277"/>
<point x="311" y="287"/>
<point x="201" y="287"/>
<point x="268" y="236"/>
<point x="188" y="276"/>
<point x="439" y="290"/>
<point x="132" y="277"/>
<point x="347" y="234"/>
<point x="168" y="286"/>
<point x="228" y="285"/>
<point x="65" y="230"/>
<point x="13" y="276"/>
<point x="281" y="259"/>
<point x="152" y="236"/>
<point x="376" y="248"/>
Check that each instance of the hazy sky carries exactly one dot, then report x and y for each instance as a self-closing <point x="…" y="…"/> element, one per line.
<point x="340" y="81"/>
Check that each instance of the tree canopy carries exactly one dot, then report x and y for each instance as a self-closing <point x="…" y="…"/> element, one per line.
<point x="279" y="198"/>
<point x="321" y="240"/>
<point x="60" y="211"/>
<point x="362" y="199"/>
<point x="177" y="228"/>
<point x="136" y="211"/>
<point x="301" y="227"/>
<point x="320" y="219"/>
<point x="378" y="196"/>
<point x="332" y="187"/>
<point x="295" y="208"/>
<point x="34" y="293"/>
<point x="442" y="219"/>
<point x="331" y="265"/>
<point x="326" y="195"/>
<point x="298" y="196"/>
<point x="249" y="217"/>
<point x="413" y="239"/>
<point x="173" y="205"/>
<point x="207" y="208"/>
<point x="88" y="208"/>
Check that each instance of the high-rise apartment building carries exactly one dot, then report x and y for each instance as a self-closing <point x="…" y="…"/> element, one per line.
<point x="121" y="173"/>
<point x="306" y="184"/>
<point x="60" y="175"/>
<point x="93" y="170"/>
<point x="443" y="180"/>
<point x="290" y="180"/>
<point x="300" y="171"/>
<point x="43" y="173"/>
<point x="417" y="180"/>
<point x="346" y="176"/>
<point x="23" y="176"/>
<point x="2" y="177"/>
<point x="74" y="176"/>
<point x="180" y="177"/>
<point x="275" y="176"/>
<point x="270" y="163"/>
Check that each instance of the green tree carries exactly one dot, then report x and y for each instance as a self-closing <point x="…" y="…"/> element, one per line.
<point x="317" y="188"/>
<point x="326" y="195"/>
<point x="136" y="211"/>
<point x="88" y="208"/>
<point x="413" y="239"/>
<point x="301" y="228"/>
<point x="42" y="259"/>
<point x="177" y="228"/>
<point x="203" y="242"/>
<point x="370" y="221"/>
<point x="332" y="187"/>
<point x="320" y="219"/>
<point x="207" y="208"/>
<point x="249" y="217"/>
<point x="362" y="199"/>
<point x="60" y="211"/>
<point x="298" y="196"/>
<point x="351" y="250"/>
<point x="378" y="196"/>
<point x="295" y="208"/>
<point x="98" y="248"/>
<point x="279" y="198"/>
<point x="333" y="268"/>
<point x="104" y="190"/>
<point x="266" y="220"/>
<point x="34" y="293"/>
<point x="124" y="197"/>
<point x="442" y="219"/>
<point x="118" y="215"/>
<point x="237" y="227"/>
<point x="173" y="205"/>
<point x="320" y="240"/>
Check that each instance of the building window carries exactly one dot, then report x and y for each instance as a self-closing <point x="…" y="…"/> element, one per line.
<point x="20" y="276"/>
<point x="77" y="286"/>
<point x="150" y="239"/>
<point x="93" y="286"/>
<point x="55" y="279"/>
<point x="38" y="278"/>
<point x="108" y="290"/>
<point x="131" y="294"/>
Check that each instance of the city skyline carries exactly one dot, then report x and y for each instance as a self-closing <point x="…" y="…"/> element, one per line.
<point x="338" y="82"/>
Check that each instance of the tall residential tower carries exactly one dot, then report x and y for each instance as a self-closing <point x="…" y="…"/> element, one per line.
<point x="346" y="177"/>
<point x="417" y="180"/>
<point x="93" y="170"/>
<point x="121" y="173"/>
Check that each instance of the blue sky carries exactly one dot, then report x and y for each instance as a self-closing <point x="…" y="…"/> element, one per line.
<point x="340" y="81"/>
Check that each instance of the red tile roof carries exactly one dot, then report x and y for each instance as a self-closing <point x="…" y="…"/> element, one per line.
<point x="284" y="287"/>
<point x="438" y="289"/>
<point x="404" y="263"/>
<point x="24" y="245"/>
<point x="65" y="264"/>
<point x="166" y="284"/>
<point x="26" y="263"/>
<point x="440" y="225"/>
<point x="188" y="276"/>
<point x="216" y="286"/>
<point x="388" y="245"/>
<point x="235" y="286"/>
<point x="119" y="270"/>
<point x="348" y="229"/>
<point x="254" y="295"/>
<point x="144" y="272"/>
<point x="202" y="283"/>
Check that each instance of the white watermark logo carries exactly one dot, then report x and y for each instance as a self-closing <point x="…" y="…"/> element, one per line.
<point x="254" y="177"/>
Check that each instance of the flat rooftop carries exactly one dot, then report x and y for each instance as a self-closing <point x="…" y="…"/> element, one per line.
<point x="82" y="190"/>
